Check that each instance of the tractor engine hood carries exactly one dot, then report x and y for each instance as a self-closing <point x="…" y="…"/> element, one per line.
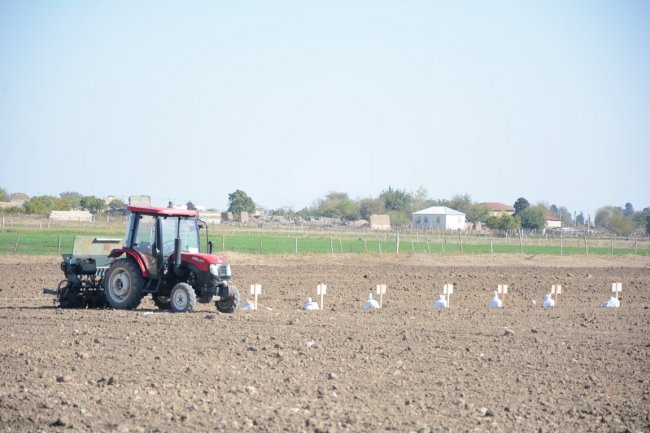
<point x="214" y="264"/>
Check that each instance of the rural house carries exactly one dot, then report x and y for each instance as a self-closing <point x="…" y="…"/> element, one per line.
<point x="498" y="209"/>
<point x="552" y="222"/>
<point x="438" y="217"/>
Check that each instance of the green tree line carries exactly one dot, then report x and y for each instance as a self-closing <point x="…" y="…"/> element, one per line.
<point x="399" y="204"/>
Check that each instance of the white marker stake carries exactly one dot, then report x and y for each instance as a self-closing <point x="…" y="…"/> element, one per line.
<point x="502" y="289"/>
<point x="321" y="289"/>
<point x="616" y="288"/>
<point x="256" y="289"/>
<point x="381" y="290"/>
<point x="448" y="289"/>
<point x="556" y="289"/>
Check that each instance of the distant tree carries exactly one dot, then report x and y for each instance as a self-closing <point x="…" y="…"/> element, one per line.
<point x="532" y="218"/>
<point x="191" y="206"/>
<point x="461" y="203"/>
<point x="42" y="205"/>
<point x="74" y="199"/>
<point x="419" y="199"/>
<point x="641" y="217"/>
<point x="580" y="219"/>
<point x="628" y="210"/>
<point x="397" y="200"/>
<point x="555" y="210"/>
<point x="520" y="205"/>
<point x="4" y="195"/>
<point x="371" y="206"/>
<point x="565" y="216"/>
<point x="15" y="196"/>
<point x="92" y="204"/>
<point x="338" y="205"/>
<point x="614" y="220"/>
<point x="240" y="202"/>
<point x="399" y="219"/>
<point x="477" y="213"/>
<point x="504" y="222"/>
<point x="117" y="206"/>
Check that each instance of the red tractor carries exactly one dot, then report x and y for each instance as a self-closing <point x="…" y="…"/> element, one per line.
<point x="161" y="256"/>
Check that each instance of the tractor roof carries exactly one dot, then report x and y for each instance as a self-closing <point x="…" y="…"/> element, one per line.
<point x="164" y="211"/>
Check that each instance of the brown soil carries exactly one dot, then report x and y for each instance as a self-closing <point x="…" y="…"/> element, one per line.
<point x="406" y="367"/>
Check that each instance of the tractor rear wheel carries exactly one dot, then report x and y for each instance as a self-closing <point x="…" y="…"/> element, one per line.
<point x="229" y="304"/>
<point x="124" y="284"/>
<point x="182" y="298"/>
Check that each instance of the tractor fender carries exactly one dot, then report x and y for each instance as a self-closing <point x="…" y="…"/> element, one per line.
<point x="137" y="257"/>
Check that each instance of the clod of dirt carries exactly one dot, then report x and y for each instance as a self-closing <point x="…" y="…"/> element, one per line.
<point x="61" y="422"/>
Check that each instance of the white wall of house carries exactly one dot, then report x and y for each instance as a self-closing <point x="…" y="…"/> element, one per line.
<point x="438" y="218"/>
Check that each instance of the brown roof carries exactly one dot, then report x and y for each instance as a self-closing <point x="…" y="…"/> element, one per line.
<point x="496" y="206"/>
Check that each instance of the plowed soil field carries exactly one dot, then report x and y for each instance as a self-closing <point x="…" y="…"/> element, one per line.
<point x="405" y="367"/>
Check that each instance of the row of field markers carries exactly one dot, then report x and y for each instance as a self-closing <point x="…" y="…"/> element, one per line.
<point x="443" y="301"/>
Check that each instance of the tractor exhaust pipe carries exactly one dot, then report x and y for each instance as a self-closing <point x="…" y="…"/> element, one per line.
<point x="177" y="256"/>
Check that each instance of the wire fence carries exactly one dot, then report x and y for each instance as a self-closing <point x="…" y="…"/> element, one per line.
<point x="43" y="237"/>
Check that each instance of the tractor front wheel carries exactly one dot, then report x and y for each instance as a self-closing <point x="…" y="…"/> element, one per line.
<point x="182" y="298"/>
<point x="124" y="284"/>
<point x="229" y="304"/>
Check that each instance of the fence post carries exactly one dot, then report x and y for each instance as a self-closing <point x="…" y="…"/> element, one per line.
<point x="223" y="243"/>
<point x="296" y="245"/>
<point x="16" y="244"/>
<point x="58" y="247"/>
<point x="586" y="247"/>
<point x="397" y="244"/>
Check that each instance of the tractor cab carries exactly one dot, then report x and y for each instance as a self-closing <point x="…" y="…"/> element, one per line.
<point x="161" y="256"/>
<point x="152" y="236"/>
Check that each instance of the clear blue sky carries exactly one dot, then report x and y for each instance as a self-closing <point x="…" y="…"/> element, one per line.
<point x="289" y="100"/>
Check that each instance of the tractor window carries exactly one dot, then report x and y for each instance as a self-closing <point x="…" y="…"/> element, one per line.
<point x="188" y="233"/>
<point x="146" y="234"/>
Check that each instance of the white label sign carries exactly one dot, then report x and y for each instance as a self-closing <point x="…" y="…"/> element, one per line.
<point x="256" y="289"/>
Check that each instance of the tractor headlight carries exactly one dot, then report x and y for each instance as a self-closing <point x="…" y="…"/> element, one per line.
<point x="220" y="270"/>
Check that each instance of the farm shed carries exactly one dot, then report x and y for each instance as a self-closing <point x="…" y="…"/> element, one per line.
<point x="140" y="200"/>
<point x="438" y="217"/>
<point x="497" y="209"/>
<point x="71" y="215"/>
<point x="380" y="222"/>
<point x="210" y="217"/>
